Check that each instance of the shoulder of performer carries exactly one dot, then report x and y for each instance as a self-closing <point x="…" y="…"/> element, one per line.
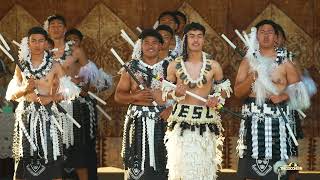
<point x="289" y="64"/>
<point x="214" y="63"/>
<point x="79" y="53"/>
<point x="172" y="69"/>
<point x="291" y="69"/>
<point x="244" y="62"/>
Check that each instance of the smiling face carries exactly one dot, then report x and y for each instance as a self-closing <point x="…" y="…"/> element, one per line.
<point x="195" y="40"/>
<point x="266" y="36"/>
<point x="37" y="44"/>
<point x="150" y="47"/>
<point x="56" y="29"/>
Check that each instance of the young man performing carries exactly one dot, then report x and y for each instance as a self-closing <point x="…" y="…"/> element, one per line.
<point x="37" y="145"/>
<point x="271" y="88"/>
<point x="94" y="80"/>
<point x="72" y="59"/>
<point x="170" y="19"/>
<point x="167" y="35"/>
<point x="194" y="136"/>
<point x="182" y="22"/>
<point x="143" y="148"/>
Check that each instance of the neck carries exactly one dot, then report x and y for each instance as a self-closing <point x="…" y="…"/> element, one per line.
<point x="58" y="43"/>
<point x="195" y="56"/>
<point x="163" y="53"/>
<point x="37" y="58"/>
<point x="267" y="52"/>
<point x="150" y="60"/>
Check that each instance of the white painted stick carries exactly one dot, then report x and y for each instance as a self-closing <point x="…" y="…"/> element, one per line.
<point x="228" y="41"/>
<point x="56" y="123"/>
<point x="302" y="113"/>
<point x="127" y="36"/>
<point x="117" y="56"/>
<point x="187" y="92"/>
<point x="241" y="37"/>
<point x="246" y="37"/>
<point x="103" y="112"/>
<point x="15" y="43"/>
<point x="6" y="52"/>
<point x="139" y="29"/>
<point x="126" y="39"/>
<point x="4" y="43"/>
<point x="122" y="63"/>
<point x="73" y="121"/>
<point x="156" y="24"/>
<point x="293" y="137"/>
<point x="97" y="98"/>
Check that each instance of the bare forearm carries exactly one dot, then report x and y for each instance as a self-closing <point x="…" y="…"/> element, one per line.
<point x="243" y="89"/>
<point x="124" y="97"/>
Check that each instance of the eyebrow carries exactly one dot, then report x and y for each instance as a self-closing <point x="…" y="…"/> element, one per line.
<point x="192" y="34"/>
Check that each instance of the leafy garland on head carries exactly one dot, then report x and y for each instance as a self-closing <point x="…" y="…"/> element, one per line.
<point x="25" y="59"/>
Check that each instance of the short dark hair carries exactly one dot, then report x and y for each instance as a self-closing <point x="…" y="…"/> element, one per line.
<point x="281" y="31"/>
<point x="150" y="33"/>
<point x="57" y="17"/>
<point x="194" y="26"/>
<point x="38" y="30"/>
<point x="164" y="27"/>
<point x="74" y="31"/>
<point x="169" y="13"/>
<point x="179" y="13"/>
<point x="269" y="22"/>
